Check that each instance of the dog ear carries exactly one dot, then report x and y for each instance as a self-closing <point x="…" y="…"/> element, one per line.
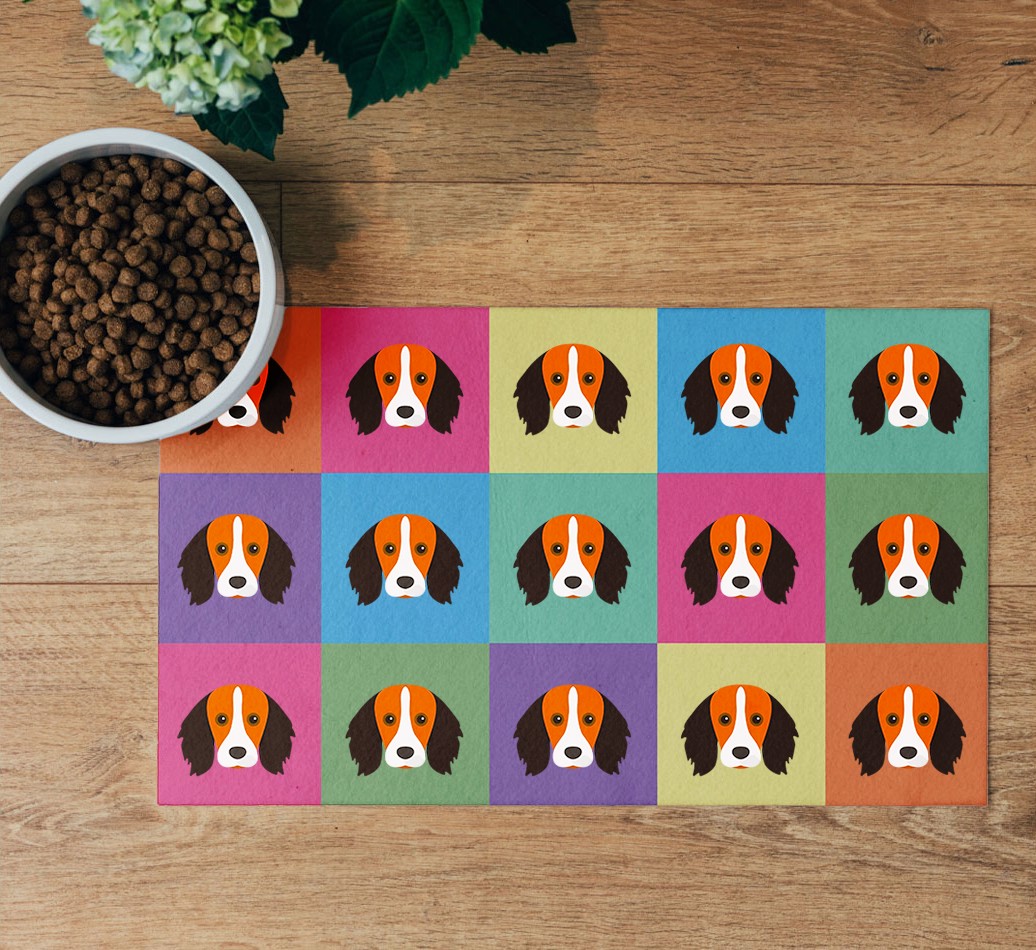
<point x="612" y="398"/>
<point x="202" y="429"/>
<point x="868" y="568"/>
<point x="198" y="746"/>
<point x="779" y="402"/>
<point x="700" y="742"/>
<point x="699" y="398"/>
<point x="779" y="743"/>
<point x="365" y="398"/>
<point x="444" y="401"/>
<point x="610" y="748"/>
<point x="533" y="742"/>
<point x="611" y="574"/>
<point x="533" y="570"/>
<point x="275" y="574"/>
<point x="868" y="399"/>
<point x="275" y="402"/>
<point x="444" y="571"/>
<point x="779" y="573"/>
<point x="275" y="745"/>
<point x="868" y="739"/>
<point x="365" y="575"/>
<point x="948" y="569"/>
<point x="444" y="742"/>
<point x="948" y="399"/>
<point x="533" y="401"/>
<point x="365" y="739"/>
<point x="946" y="745"/>
<point x="699" y="568"/>
<point x="196" y="571"/>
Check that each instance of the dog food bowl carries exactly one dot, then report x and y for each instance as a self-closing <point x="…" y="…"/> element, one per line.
<point x="42" y="165"/>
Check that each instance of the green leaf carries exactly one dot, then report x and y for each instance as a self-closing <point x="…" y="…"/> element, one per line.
<point x="388" y="48"/>
<point x="254" y="128"/>
<point x="527" y="26"/>
<point x="300" y="29"/>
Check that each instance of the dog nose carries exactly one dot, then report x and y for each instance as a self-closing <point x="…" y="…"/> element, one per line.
<point x="405" y="582"/>
<point x="908" y="582"/>
<point x="572" y="582"/>
<point x="908" y="752"/>
<point x="573" y="752"/>
<point x="573" y="412"/>
<point x="740" y="411"/>
<point x="237" y="412"/>
<point x="237" y="582"/>
<point x="908" y="412"/>
<point x="739" y="752"/>
<point x="405" y="412"/>
<point x="405" y="752"/>
<point x="740" y="582"/>
<point x="237" y="752"/>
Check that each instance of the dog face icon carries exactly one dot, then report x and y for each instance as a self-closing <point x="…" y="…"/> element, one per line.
<point x="406" y="386"/>
<point x="908" y="727"/>
<point x="910" y="385"/>
<point x="748" y="385"/>
<point x="743" y="556"/>
<point x="909" y="556"/>
<point x="267" y="403"/>
<point x="573" y="386"/>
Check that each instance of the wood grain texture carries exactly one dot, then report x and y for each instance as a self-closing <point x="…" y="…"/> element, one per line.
<point x="695" y="91"/>
<point x="847" y="152"/>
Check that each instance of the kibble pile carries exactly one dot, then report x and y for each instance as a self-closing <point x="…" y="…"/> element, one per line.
<point x="128" y="288"/>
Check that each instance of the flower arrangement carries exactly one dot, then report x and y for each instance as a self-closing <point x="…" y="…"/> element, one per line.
<point x="215" y="59"/>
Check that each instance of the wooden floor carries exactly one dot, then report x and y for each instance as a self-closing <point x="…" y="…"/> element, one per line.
<point x="814" y="153"/>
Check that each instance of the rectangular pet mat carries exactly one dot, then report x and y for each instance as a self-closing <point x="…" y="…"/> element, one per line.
<point x="584" y="556"/>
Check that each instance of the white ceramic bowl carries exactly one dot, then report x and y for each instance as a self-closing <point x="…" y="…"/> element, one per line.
<point x="42" y="165"/>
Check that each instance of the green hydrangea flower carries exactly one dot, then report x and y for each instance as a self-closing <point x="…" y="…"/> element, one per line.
<point x="194" y="53"/>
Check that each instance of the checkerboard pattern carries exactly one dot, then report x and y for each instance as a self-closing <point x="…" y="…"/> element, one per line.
<point x="584" y="556"/>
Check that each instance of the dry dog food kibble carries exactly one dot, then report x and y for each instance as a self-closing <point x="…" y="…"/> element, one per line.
<point x="128" y="288"/>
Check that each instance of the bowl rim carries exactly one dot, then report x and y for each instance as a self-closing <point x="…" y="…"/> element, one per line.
<point x="103" y="142"/>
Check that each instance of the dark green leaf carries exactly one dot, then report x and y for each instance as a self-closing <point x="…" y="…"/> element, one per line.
<point x="388" y="48"/>
<point x="527" y="26"/>
<point x="300" y="29"/>
<point x="254" y="128"/>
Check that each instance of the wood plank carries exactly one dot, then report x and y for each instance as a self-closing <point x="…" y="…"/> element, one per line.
<point x="696" y="91"/>
<point x="83" y="838"/>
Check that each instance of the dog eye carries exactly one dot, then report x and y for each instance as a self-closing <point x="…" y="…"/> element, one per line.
<point x="589" y="378"/>
<point x="421" y="548"/>
<point x="389" y="719"/>
<point x="892" y="719"/>
<point x="588" y="548"/>
<point x="557" y="719"/>
<point x="389" y="548"/>
<point x="221" y="719"/>
<point x="724" y="378"/>
<point x="756" y="548"/>
<point x="724" y="719"/>
<point x="724" y="548"/>
<point x="589" y="719"/>
<point x="892" y="379"/>
<point x="924" y="379"/>
<point x="253" y="548"/>
<point x="924" y="719"/>
<point x="421" y="379"/>
<point x="557" y="379"/>
<point x="221" y="549"/>
<point x="892" y="548"/>
<point x="757" y="720"/>
<point x="557" y="548"/>
<point x="420" y="719"/>
<point x="923" y="548"/>
<point x="756" y="378"/>
<point x="253" y="720"/>
<point x="389" y="378"/>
